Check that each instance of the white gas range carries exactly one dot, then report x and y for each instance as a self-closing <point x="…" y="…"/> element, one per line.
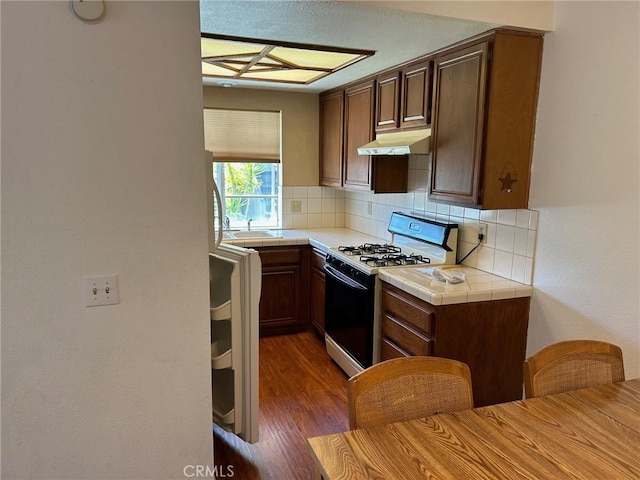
<point x="352" y="290"/>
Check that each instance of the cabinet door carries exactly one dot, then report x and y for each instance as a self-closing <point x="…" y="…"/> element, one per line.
<point x="416" y="95"/>
<point x="284" y="301"/>
<point x="316" y="291"/>
<point x="331" y="134"/>
<point x="458" y="125"/>
<point x="387" y="102"/>
<point x="279" y="304"/>
<point x="359" y="104"/>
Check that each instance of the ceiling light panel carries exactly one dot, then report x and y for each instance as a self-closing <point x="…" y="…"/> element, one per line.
<point x="275" y="62"/>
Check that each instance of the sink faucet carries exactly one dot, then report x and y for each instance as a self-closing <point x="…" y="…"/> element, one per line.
<point x="249" y="223"/>
<point x="227" y="223"/>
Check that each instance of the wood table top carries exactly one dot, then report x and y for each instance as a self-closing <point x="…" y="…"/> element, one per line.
<point x="589" y="434"/>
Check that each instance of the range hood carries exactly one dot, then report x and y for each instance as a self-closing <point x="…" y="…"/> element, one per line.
<point x="412" y="142"/>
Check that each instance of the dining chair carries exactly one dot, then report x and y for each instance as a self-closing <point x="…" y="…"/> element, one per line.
<point x="571" y="365"/>
<point x="407" y="388"/>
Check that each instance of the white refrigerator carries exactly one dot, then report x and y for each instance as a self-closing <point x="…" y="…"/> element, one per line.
<point x="235" y="276"/>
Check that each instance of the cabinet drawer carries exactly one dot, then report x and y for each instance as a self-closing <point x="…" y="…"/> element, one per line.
<point x="318" y="259"/>
<point x="280" y="256"/>
<point x="404" y="336"/>
<point x="409" y="311"/>
<point x="389" y="350"/>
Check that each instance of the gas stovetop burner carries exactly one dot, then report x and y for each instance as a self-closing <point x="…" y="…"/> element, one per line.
<point x="373" y="261"/>
<point x="369" y="249"/>
<point x="351" y="250"/>
<point x="393" y="259"/>
<point x="376" y="248"/>
<point x="414" y="259"/>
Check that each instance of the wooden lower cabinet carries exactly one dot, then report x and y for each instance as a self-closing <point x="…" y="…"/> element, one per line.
<point x="316" y="291"/>
<point x="489" y="336"/>
<point x="284" y="304"/>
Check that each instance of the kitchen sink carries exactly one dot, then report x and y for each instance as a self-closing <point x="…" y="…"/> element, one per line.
<point x="251" y="234"/>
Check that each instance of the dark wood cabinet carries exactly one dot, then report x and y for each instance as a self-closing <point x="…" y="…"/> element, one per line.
<point x="350" y="113"/>
<point x="479" y="97"/>
<point x="416" y="95"/>
<point x="489" y="336"/>
<point x="484" y="105"/>
<point x="316" y="291"/>
<point x="331" y="137"/>
<point x="284" y="305"/>
<point x="387" y="102"/>
<point x="358" y="121"/>
<point x="403" y="98"/>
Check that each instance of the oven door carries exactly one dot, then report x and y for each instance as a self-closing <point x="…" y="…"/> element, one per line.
<point x="349" y="314"/>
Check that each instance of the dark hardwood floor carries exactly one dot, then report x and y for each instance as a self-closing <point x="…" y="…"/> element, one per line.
<point x="302" y="395"/>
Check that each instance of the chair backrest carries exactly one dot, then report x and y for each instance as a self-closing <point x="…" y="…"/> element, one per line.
<point x="572" y="365"/>
<point x="407" y="388"/>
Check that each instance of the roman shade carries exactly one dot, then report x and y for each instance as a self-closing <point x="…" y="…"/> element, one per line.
<point x="242" y="135"/>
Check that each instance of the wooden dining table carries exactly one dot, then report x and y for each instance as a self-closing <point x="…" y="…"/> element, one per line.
<point x="592" y="433"/>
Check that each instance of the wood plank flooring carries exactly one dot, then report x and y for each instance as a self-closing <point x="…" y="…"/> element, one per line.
<point x="302" y="394"/>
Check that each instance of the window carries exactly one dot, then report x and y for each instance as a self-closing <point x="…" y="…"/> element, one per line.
<point x="251" y="192"/>
<point x="246" y="165"/>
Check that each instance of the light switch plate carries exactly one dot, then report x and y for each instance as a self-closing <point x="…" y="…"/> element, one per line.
<point x="101" y="290"/>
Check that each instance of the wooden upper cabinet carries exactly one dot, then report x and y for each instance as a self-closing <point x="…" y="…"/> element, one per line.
<point x="458" y="127"/>
<point x="484" y="105"/>
<point x="358" y="121"/>
<point x="331" y="136"/>
<point x="388" y="102"/>
<point x="346" y="123"/>
<point x="403" y="97"/>
<point x="416" y="95"/>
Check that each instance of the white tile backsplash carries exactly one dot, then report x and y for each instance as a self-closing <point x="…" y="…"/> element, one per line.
<point x="472" y="213"/>
<point x="505" y="238"/>
<point x="502" y="263"/>
<point x="507" y="217"/>
<point x="328" y="205"/>
<point x="300" y="192"/>
<point x="314" y="220"/>
<point x="314" y="205"/>
<point x="314" y="192"/>
<point x="508" y="251"/>
<point x="490" y="216"/>
<point x="521" y="241"/>
<point x="522" y="218"/>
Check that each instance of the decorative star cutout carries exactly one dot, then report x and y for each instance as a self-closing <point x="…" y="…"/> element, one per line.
<point x="507" y="182"/>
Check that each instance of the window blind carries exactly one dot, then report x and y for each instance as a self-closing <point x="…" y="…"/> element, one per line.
<point x="242" y="135"/>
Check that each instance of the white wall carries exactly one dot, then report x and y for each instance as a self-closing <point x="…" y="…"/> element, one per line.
<point x="585" y="180"/>
<point x="102" y="173"/>
<point x="518" y="13"/>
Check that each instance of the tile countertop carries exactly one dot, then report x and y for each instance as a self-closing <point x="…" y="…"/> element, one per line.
<point x="323" y="239"/>
<point x="478" y="286"/>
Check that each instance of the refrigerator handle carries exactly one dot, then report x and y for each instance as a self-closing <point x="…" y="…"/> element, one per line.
<point x="219" y="206"/>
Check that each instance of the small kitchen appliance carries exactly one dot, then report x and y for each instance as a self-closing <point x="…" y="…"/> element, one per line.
<point x="352" y="288"/>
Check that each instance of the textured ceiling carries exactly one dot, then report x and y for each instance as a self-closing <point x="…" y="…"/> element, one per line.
<point x="395" y="35"/>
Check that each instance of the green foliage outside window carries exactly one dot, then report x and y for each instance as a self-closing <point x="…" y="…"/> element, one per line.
<point x="241" y="179"/>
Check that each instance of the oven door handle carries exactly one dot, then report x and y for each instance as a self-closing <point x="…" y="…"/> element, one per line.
<point x="342" y="278"/>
